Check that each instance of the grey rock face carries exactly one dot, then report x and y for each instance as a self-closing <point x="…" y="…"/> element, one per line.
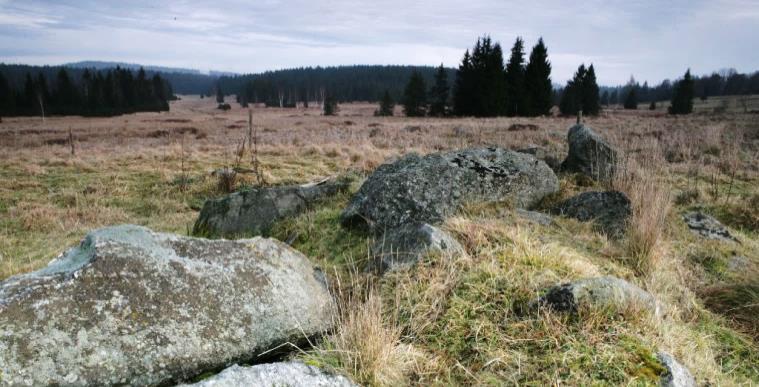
<point x="677" y="375"/>
<point x="707" y="227"/>
<point x="590" y="154"/>
<point x="427" y="189"/>
<point x="535" y="217"/>
<point x="291" y="374"/>
<point x="403" y="246"/>
<point x="542" y="154"/>
<point x="609" y="210"/>
<point x="133" y="306"/>
<point x="254" y="211"/>
<point x="600" y="292"/>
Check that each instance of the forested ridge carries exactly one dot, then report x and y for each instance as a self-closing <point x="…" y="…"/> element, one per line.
<point x="63" y="91"/>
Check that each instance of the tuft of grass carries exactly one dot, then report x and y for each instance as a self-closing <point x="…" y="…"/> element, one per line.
<point x="651" y="202"/>
<point x="367" y="345"/>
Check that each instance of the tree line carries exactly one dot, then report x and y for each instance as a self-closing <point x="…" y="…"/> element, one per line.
<point x="726" y="82"/>
<point x="87" y="93"/>
<point x="286" y="88"/>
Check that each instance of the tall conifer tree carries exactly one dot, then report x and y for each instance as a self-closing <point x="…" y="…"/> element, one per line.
<point x="538" y="82"/>
<point x="682" y="96"/>
<point x="439" y="93"/>
<point x="515" y="99"/>
<point x="415" y="96"/>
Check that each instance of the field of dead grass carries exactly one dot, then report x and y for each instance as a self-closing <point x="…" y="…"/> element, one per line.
<point x="444" y="322"/>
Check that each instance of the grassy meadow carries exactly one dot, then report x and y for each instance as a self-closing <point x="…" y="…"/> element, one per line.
<point x="447" y="321"/>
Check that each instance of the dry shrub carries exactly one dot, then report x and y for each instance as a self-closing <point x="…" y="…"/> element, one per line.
<point x="367" y="346"/>
<point x="651" y="200"/>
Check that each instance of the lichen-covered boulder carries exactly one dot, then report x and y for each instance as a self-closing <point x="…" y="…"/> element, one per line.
<point x="599" y="292"/>
<point x="707" y="227"/>
<point x="427" y="189"/>
<point x="254" y="211"/>
<point x="291" y="374"/>
<point x="403" y="246"/>
<point x="610" y="211"/>
<point x="131" y="306"/>
<point x="677" y="375"/>
<point x="590" y="154"/>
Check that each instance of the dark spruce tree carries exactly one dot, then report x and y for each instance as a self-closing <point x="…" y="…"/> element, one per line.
<point x="7" y="98"/>
<point x="480" y="84"/>
<point x="589" y="93"/>
<point x="415" y="96"/>
<point x="515" y="81"/>
<point x="631" y="95"/>
<point x="538" y="82"/>
<point x="219" y="94"/>
<point x="571" y="97"/>
<point x="631" y="100"/>
<point x="682" y="96"/>
<point x="386" y="106"/>
<point x="330" y="105"/>
<point x="463" y="89"/>
<point x="605" y="98"/>
<point x="438" y="94"/>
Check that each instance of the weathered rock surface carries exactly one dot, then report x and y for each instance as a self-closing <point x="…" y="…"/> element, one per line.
<point x="599" y="292"/>
<point x="590" y="154"/>
<point x="535" y="217"/>
<point x="707" y="227"/>
<point x="403" y="246"/>
<point x="677" y="375"/>
<point x="254" y="211"/>
<point x="541" y="154"/>
<point x="129" y="305"/>
<point x="291" y="374"/>
<point x="427" y="189"/>
<point x="610" y="211"/>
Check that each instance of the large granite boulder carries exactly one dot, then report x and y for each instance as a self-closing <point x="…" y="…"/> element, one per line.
<point x="610" y="211"/>
<point x="403" y="246"/>
<point x="707" y="227"/>
<point x="677" y="375"/>
<point x="291" y="374"/>
<point x="427" y="189"/>
<point x="255" y="210"/>
<point x="131" y="306"/>
<point x="590" y="154"/>
<point x="599" y="292"/>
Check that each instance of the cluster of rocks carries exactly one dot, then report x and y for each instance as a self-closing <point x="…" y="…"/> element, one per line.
<point x="132" y="306"/>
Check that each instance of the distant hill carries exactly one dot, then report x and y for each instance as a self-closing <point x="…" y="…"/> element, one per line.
<point x="101" y="65"/>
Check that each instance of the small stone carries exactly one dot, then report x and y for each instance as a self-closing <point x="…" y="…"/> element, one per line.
<point x="707" y="227"/>
<point x="598" y="292"/>
<point x="610" y="211"/>
<point x="677" y="375"/>
<point x="291" y="374"/>
<point x="403" y="246"/>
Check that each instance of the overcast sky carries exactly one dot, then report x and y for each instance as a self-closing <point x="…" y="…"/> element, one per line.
<point x="651" y="40"/>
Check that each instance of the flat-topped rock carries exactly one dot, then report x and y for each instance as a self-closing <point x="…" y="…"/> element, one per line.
<point x="609" y="211"/>
<point x="427" y="189"/>
<point x="132" y="306"/>
<point x="677" y="375"/>
<point x="254" y="211"/>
